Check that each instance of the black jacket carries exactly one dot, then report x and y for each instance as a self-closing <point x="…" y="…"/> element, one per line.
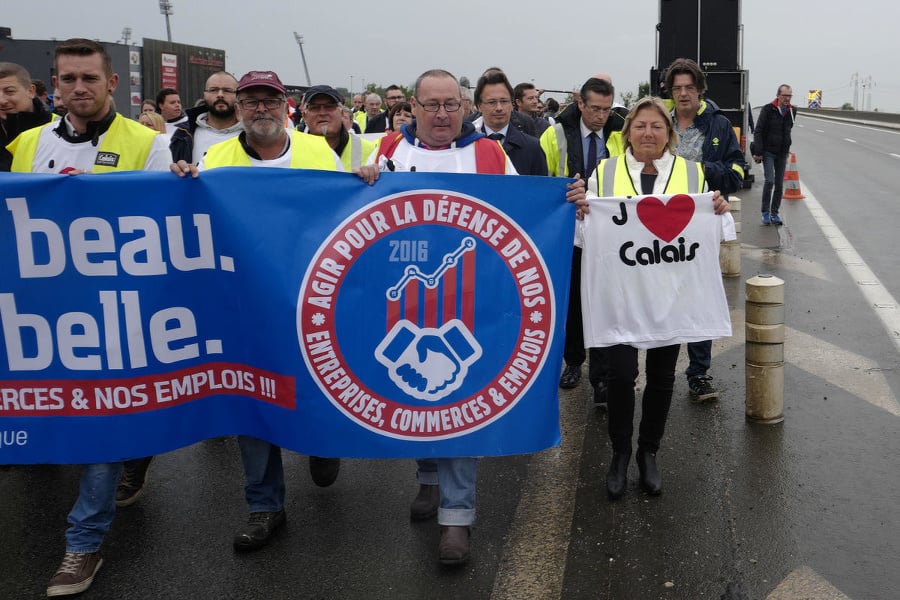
<point x="773" y="131"/>
<point x="182" y="143"/>
<point x="570" y="119"/>
<point x="523" y="150"/>
<point x="16" y="123"/>
<point x="523" y="123"/>
<point x="377" y="124"/>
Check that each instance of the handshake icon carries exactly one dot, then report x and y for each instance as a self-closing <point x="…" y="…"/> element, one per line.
<point x="428" y="364"/>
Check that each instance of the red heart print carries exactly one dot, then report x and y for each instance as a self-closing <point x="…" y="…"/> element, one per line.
<point x="666" y="221"/>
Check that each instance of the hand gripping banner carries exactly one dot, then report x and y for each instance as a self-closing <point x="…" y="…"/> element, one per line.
<point x="421" y="316"/>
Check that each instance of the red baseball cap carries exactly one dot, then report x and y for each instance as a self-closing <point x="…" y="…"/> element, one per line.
<point x="261" y="78"/>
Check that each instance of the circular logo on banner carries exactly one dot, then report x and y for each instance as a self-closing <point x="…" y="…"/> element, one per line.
<point x="426" y="315"/>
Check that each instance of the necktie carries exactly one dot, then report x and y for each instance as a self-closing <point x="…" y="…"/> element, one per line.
<point x="496" y="136"/>
<point x="591" y="162"/>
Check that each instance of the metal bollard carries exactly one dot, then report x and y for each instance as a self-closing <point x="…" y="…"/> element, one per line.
<point x="730" y="252"/>
<point x="764" y="349"/>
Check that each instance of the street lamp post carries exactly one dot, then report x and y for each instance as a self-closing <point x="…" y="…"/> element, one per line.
<point x="165" y="8"/>
<point x="299" y="39"/>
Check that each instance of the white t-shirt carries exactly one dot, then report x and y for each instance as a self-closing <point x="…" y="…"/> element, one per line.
<point x="653" y="278"/>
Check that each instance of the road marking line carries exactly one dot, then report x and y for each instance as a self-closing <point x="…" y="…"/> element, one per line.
<point x="855" y="374"/>
<point x="545" y="512"/>
<point x="867" y="282"/>
<point x="850" y="140"/>
<point x="840" y="122"/>
<point x="803" y="582"/>
<point x="894" y="155"/>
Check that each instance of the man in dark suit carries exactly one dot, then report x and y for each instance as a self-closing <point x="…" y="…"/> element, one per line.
<point x="378" y="123"/>
<point x="493" y="97"/>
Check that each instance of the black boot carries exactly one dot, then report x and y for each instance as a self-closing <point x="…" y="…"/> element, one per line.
<point x="617" y="477"/>
<point x="651" y="480"/>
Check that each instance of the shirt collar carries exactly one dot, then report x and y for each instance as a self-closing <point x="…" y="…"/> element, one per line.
<point x="488" y="131"/>
<point x="586" y="132"/>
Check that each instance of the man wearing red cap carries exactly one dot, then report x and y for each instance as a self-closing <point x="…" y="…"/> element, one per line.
<point x="261" y="107"/>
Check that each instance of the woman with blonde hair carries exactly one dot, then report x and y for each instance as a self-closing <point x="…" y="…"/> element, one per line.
<point x="153" y="121"/>
<point x="648" y="166"/>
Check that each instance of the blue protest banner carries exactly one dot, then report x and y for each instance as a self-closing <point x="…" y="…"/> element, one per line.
<point x="421" y="316"/>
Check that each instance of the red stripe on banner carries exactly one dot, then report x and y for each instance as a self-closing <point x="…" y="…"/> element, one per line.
<point x="411" y="302"/>
<point x="449" y="283"/>
<point x="103" y="397"/>
<point x="468" y="290"/>
<point x="431" y="307"/>
<point x="393" y="313"/>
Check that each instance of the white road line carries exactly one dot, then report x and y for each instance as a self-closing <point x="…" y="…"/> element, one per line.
<point x="892" y="131"/>
<point x="894" y="155"/>
<point x="803" y="582"/>
<point x="545" y="512"/>
<point x="820" y="131"/>
<point x="880" y="300"/>
<point x="850" y="140"/>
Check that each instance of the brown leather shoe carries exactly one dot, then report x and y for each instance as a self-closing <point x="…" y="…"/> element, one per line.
<point x="454" y="547"/>
<point x="425" y="505"/>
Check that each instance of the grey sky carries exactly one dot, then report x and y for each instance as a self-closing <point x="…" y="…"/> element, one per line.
<point x="556" y="45"/>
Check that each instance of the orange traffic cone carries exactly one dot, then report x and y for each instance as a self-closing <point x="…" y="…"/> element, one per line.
<point x="792" y="181"/>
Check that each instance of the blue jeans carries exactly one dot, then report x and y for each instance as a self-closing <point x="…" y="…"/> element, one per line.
<point x="700" y="354"/>
<point x="773" y="171"/>
<point x="264" y="474"/>
<point x="91" y="517"/>
<point x="456" y="478"/>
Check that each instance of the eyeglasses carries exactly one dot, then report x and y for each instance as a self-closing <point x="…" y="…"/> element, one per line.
<point x="492" y="103"/>
<point x="603" y="110"/>
<point x="253" y="103"/>
<point x="321" y="107"/>
<point x="690" y="89"/>
<point x="451" y="106"/>
<point x="216" y="90"/>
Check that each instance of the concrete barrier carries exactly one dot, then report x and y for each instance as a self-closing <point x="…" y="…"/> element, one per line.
<point x="764" y="349"/>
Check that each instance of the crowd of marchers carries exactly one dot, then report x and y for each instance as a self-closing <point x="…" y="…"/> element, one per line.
<point x="678" y="144"/>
